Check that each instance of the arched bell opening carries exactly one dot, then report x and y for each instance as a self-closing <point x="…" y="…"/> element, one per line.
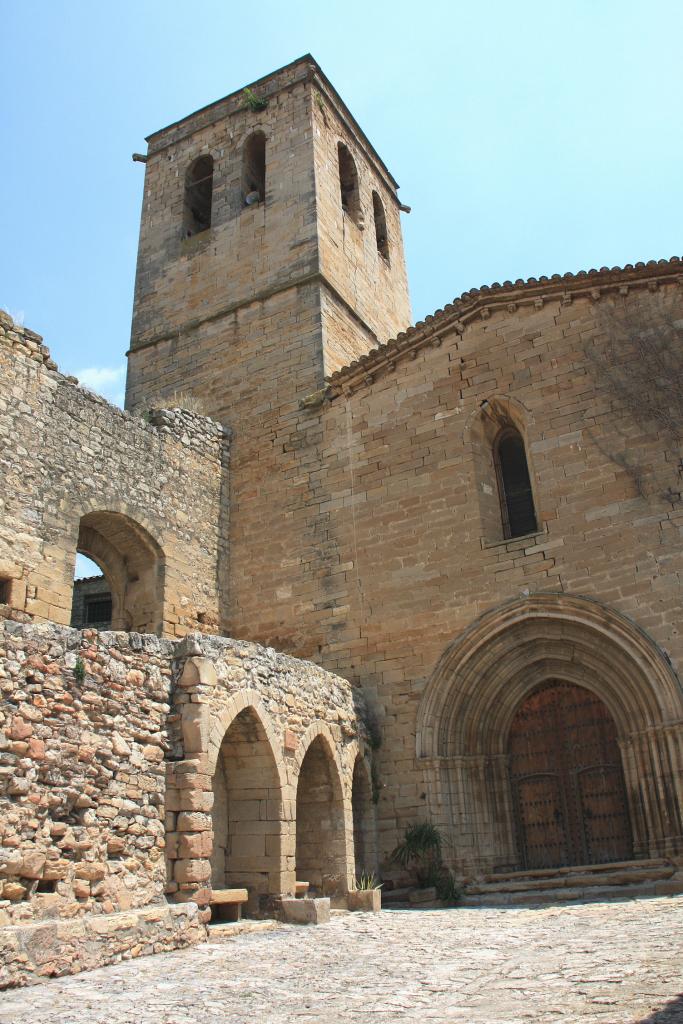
<point x="320" y="822"/>
<point x="247" y="810"/>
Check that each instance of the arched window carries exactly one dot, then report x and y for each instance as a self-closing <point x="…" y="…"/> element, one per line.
<point x="380" y="226"/>
<point x="348" y="183"/>
<point x="514" y="484"/>
<point x="254" y="169"/>
<point x="198" y="195"/>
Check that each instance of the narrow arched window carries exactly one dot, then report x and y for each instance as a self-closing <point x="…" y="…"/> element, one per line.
<point x="380" y="226"/>
<point x="254" y="169"/>
<point x="514" y="484"/>
<point x="348" y="183"/>
<point x="198" y="196"/>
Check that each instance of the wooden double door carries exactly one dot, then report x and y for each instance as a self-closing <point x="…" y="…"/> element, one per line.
<point x="567" y="780"/>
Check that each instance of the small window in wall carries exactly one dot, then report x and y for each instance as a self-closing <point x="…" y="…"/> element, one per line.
<point x="254" y="169"/>
<point x="97" y="611"/>
<point x="198" y="196"/>
<point x="5" y="586"/>
<point x="380" y="226"/>
<point x="348" y="183"/>
<point x="514" y="484"/>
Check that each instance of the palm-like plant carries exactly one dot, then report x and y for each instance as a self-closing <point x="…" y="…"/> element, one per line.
<point x="420" y="850"/>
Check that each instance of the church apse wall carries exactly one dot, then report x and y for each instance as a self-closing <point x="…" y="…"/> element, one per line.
<point x="421" y="440"/>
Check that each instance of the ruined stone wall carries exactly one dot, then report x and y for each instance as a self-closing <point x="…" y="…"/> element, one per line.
<point x="150" y="490"/>
<point x="83" y="732"/>
<point x="109" y="751"/>
<point x="288" y="706"/>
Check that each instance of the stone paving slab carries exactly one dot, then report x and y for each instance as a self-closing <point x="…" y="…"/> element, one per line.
<point x="614" y="963"/>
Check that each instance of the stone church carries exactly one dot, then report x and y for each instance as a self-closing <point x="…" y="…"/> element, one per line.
<point x="462" y="537"/>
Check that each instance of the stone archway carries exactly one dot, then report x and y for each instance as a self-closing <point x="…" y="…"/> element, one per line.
<point x="469" y="703"/>
<point x="247" y="810"/>
<point x="567" y="779"/>
<point x="363" y="808"/>
<point x="133" y="565"/>
<point x="321" y="846"/>
<point x="364" y="840"/>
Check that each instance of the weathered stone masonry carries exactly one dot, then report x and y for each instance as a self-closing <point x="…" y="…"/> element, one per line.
<point x="109" y="746"/>
<point x="141" y="495"/>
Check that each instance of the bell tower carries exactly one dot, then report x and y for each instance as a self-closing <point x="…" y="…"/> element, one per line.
<point x="270" y="255"/>
<point x="270" y="244"/>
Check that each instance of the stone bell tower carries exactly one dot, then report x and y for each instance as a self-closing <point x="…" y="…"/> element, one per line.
<point x="270" y="256"/>
<point x="270" y="245"/>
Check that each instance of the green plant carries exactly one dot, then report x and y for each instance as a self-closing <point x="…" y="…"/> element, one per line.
<point x="420" y="850"/>
<point x="79" y="669"/>
<point x="253" y="101"/>
<point x="447" y="889"/>
<point x="367" y="881"/>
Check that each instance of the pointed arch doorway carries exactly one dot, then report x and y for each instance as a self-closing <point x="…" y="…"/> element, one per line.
<point x="568" y="789"/>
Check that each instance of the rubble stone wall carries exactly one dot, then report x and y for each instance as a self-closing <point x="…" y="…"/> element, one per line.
<point x="83" y="733"/>
<point x="142" y="494"/>
<point x="48" y="949"/>
<point x="109" y="745"/>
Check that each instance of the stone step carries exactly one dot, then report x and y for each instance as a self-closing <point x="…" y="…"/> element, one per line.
<point x="569" y="894"/>
<point x="631" y="873"/>
<point x="229" y="929"/>
<point x="391" y="896"/>
<point x="502" y="876"/>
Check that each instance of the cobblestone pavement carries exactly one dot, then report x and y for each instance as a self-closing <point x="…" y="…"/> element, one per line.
<point x="609" y="963"/>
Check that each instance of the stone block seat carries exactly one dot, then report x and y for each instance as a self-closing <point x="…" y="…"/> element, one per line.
<point x="226" y="904"/>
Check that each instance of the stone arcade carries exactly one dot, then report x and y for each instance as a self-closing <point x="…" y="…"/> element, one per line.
<point x="463" y="536"/>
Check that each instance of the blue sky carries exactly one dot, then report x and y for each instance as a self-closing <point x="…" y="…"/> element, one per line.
<point x="529" y="138"/>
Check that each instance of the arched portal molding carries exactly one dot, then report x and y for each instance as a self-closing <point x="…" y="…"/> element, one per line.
<point x="484" y="674"/>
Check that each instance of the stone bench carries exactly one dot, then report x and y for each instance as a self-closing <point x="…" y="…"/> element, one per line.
<point x="226" y="904"/>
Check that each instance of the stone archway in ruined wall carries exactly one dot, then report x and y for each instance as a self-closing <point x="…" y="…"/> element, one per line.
<point x="323" y="815"/>
<point x="483" y="679"/>
<point x="233" y="791"/>
<point x="133" y="564"/>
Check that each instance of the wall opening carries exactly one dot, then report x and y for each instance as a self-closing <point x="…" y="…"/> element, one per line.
<point x="247" y="810"/>
<point x="364" y="845"/>
<point x="198" y="196"/>
<point x="514" y="484"/>
<point x="132" y="570"/>
<point x="348" y="183"/>
<point x="497" y="438"/>
<point x="254" y="169"/>
<point x="320" y="833"/>
<point x="381" y="235"/>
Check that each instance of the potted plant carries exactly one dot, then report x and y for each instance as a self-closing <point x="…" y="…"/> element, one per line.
<point x="367" y="895"/>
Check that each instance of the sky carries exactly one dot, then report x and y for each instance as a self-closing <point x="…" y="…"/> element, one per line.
<point x="529" y="138"/>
